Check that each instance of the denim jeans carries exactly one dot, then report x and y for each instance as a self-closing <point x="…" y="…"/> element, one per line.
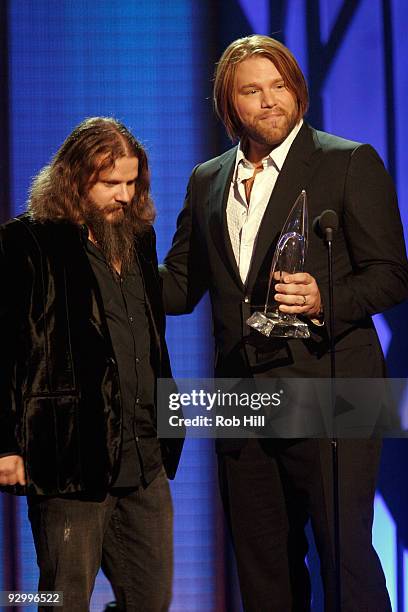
<point x="129" y="533"/>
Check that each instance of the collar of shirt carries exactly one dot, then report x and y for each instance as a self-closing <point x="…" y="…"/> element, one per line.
<point x="244" y="169"/>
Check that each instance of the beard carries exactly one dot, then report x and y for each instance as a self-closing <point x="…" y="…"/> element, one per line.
<point x="115" y="237"/>
<point x="273" y="131"/>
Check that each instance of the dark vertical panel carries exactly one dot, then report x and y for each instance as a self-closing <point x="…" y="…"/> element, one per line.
<point x="340" y="28"/>
<point x="315" y="63"/>
<point x="278" y="9"/>
<point x="321" y="56"/>
<point x="4" y="114"/>
<point x="389" y="92"/>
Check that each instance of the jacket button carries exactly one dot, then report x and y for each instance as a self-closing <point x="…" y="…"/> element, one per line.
<point x="246" y="299"/>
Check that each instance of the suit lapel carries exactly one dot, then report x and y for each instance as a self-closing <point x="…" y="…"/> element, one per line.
<point x="299" y="167"/>
<point x="219" y="191"/>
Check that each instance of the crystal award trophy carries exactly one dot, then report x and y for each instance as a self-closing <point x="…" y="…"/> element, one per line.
<point x="289" y="257"/>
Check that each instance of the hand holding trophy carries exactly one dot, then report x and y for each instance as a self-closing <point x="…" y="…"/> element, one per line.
<point x="289" y="258"/>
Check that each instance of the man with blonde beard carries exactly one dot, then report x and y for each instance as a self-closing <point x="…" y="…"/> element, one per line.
<point x="235" y="209"/>
<point x="82" y="344"/>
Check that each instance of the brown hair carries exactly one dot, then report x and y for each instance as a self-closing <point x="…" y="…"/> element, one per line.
<point x="60" y="189"/>
<point x="237" y="52"/>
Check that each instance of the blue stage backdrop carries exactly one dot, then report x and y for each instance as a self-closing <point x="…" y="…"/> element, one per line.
<point x="149" y="64"/>
<point x="141" y="62"/>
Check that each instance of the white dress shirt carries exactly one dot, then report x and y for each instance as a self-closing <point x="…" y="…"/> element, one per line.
<point x="244" y="220"/>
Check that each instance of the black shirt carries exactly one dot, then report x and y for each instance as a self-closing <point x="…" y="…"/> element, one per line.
<point x="124" y="303"/>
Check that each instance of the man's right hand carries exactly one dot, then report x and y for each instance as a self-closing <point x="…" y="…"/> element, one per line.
<point x="12" y="470"/>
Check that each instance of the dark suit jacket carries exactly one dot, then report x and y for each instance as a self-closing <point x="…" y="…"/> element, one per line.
<point x="370" y="266"/>
<point x="59" y="386"/>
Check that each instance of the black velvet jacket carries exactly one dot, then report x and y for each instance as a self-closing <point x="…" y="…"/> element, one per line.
<point x="60" y="405"/>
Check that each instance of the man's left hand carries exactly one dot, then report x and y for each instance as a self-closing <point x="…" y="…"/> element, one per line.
<point x="298" y="294"/>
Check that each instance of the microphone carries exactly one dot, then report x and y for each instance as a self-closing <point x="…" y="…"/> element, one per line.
<point x="327" y="224"/>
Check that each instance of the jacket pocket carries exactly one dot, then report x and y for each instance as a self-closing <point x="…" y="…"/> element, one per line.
<point x="51" y="441"/>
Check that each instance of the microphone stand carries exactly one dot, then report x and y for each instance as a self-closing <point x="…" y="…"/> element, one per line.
<point x="334" y="441"/>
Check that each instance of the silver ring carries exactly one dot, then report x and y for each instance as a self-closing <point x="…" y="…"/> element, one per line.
<point x="304" y="300"/>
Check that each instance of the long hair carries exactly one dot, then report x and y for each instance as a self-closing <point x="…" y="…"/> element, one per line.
<point x="60" y="189"/>
<point x="225" y="77"/>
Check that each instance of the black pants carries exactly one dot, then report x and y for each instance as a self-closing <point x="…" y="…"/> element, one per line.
<point x="128" y="533"/>
<point x="270" y="489"/>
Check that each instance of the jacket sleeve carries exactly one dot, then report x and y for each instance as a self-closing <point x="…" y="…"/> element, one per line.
<point x="185" y="269"/>
<point x="8" y="337"/>
<point x="375" y="242"/>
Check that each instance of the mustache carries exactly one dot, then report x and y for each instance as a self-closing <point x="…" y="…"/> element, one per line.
<point x="109" y="208"/>
<point x="94" y="215"/>
<point x="277" y="112"/>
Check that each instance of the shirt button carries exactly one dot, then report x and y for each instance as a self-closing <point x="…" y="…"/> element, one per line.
<point x="246" y="299"/>
<point x="131" y="319"/>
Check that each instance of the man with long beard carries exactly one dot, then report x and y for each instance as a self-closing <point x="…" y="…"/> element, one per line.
<point x="235" y="208"/>
<point x="82" y="344"/>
